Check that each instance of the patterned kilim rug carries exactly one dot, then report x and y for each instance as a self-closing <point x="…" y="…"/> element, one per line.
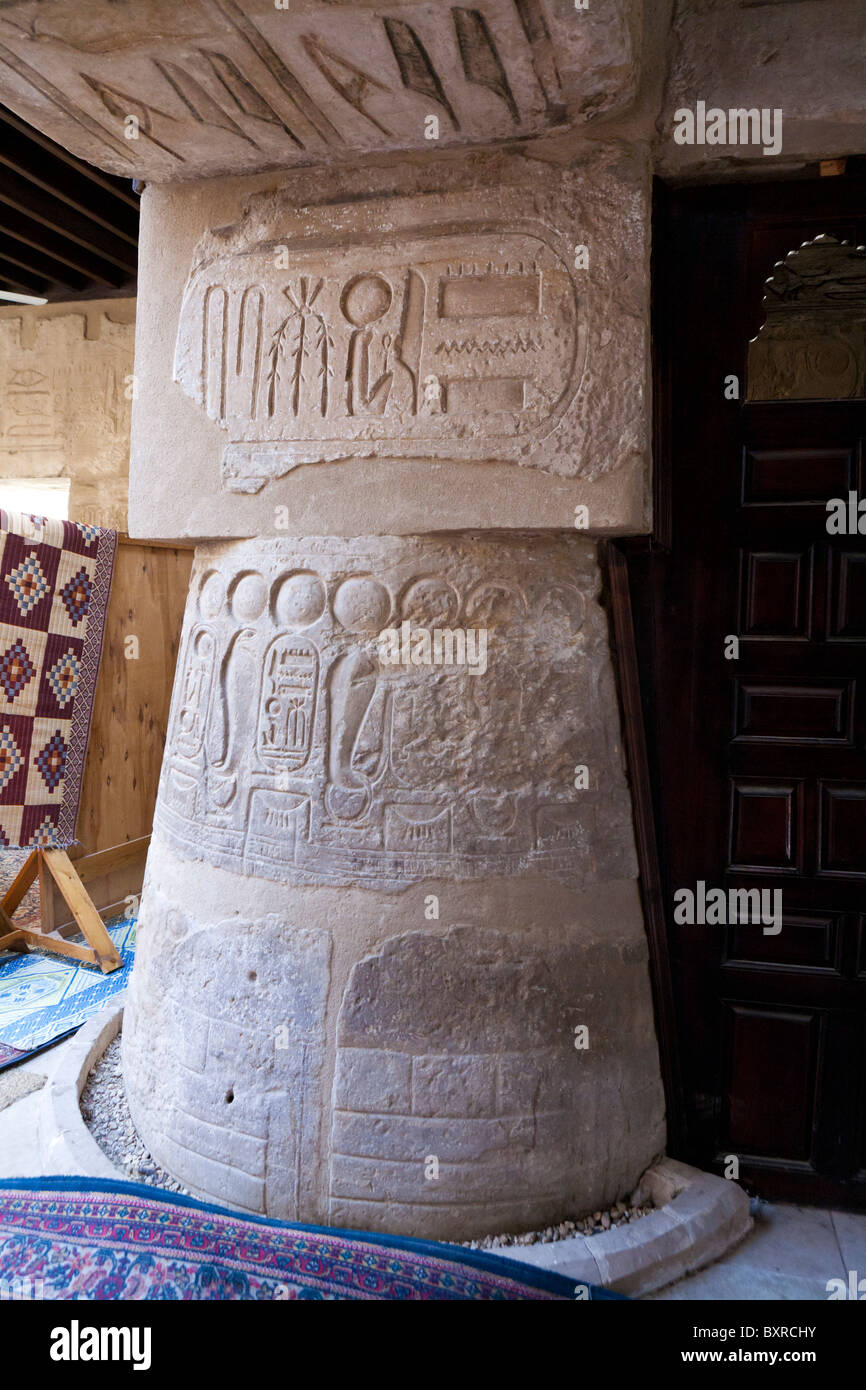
<point x="74" y="1238"/>
<point x="44" y="997"/>
<point x="55" y="579"/>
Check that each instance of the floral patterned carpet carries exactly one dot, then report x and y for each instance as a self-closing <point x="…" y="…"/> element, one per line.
<point x="71" y="1238"/>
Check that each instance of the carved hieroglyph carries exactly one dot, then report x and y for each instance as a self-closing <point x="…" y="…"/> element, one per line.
<point x="65" y="403"/>
<point x="309" y="1063"/>
<point x="481" y="1070"/>
<point x="458" y="326"/>
<point x="390" y="914"/>
<point x="296" y="753"/>
<point x="812" y="345"/>
<point x="165" y="91"/>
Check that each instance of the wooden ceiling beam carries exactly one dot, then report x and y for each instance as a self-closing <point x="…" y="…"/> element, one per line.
<point x="18" y="225"/>
<point x="37" y="263"/>
<point x="22" y="196"/>
<point x="12" y="279"/>
<point x="65" y="184"/>
<point x="110" y="183"/>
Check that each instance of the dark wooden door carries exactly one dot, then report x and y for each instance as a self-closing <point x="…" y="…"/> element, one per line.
<point x="758" y="763"/>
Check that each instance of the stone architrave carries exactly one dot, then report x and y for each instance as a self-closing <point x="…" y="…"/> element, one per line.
<point x="804" y="61"/>
<point x="157" y="90"/>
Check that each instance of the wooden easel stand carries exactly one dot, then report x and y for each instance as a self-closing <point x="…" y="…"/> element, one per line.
<point x="55" y="864"/>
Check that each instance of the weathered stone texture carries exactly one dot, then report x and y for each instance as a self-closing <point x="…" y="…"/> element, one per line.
<point x="65" y="402"/>
<point x="380" y="348"/>
<point x="361" y="1050"/>
<point x="295" y="753"/>
<point x="496" y="1108"/>
<point x="223" y="1050"/>
<point x="807" y="60"/>
<point x="398" y="351"/>
<point x="306" y="780"/>
<point x="220" y="86"/>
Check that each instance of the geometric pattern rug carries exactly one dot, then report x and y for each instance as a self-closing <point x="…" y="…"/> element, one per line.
<point x="79" y="1238"/>
<point x="44" y="997"/>
<point x="55" y="580"/>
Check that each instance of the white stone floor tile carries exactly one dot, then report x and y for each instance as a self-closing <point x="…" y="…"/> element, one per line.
<point x="792" y="1254"/>
<point x="850" y="1230"/>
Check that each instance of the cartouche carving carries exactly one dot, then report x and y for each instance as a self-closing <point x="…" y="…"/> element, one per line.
<point x="296" y="753"/>
<point x="402" y="351"/>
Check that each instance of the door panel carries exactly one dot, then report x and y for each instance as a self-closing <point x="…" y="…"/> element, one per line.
<point x="758" y="763"/>
<point x="770" y="1101"/>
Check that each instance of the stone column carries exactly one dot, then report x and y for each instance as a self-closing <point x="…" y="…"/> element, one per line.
<point x="392" y="969"/>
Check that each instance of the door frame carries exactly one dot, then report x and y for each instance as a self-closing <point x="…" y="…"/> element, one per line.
<point x="629" y="564"/>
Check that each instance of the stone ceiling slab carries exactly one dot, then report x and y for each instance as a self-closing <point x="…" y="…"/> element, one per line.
<point x="805" y="59"/>
<point x="163" y="91"/>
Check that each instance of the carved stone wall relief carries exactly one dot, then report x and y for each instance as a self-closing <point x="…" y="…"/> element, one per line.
<point x="295" y="753"/>
<point x="65" y="402"/>
<point x="481" y="1071"/>
<point x="467" y="343"/>
<point x="219" y="86"/>
<point x="420" y="327"/>
<point x="812" y="345"/>
<point x="234" y="1102"/>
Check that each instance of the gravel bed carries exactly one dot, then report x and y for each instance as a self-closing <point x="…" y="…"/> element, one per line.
<point x="106" y="1114"/>
<point x="16" y="1084"/>
<point x="620" y="1214"/>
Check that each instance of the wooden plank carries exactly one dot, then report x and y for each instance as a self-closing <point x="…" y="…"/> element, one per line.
<point x="60" y="866"/>
<point x="184" y="547"/>
<point x="106" y="912"/>
<point x="12" y="941"/>
<point x="112" y="876"/>
<point x="59" y="947"/>
<point x="106" y="861"/>
<point x="133" y="694"/>
<point x="20" y="884"/>
<point x="121" y="774"/>
<point x="47" y="917"/>
<point x="116" y="905"/>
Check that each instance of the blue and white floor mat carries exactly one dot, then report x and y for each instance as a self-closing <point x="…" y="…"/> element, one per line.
<point x="43" y="997"/>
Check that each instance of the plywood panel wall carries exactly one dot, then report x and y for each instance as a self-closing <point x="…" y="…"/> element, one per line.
<point x="133" y="693"/>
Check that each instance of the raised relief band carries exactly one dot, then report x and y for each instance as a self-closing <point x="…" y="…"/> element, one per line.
<point x="298" y="752"/>
<point x="465" y="326"/>
<point x="230" y="86"/>
<point x="403" y="352"/>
